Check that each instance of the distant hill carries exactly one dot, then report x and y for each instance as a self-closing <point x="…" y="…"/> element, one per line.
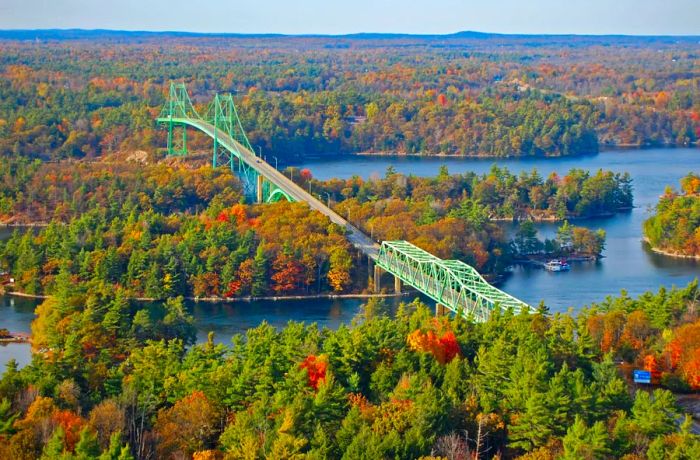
<point x="458" y="37"/>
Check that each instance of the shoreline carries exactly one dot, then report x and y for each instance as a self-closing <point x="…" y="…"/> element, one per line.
<point x="558" y="219"/>
<point x="669" y="253"/>
<point x="291" y="297"/>
<point x="457" y="156"/>
<point x="494" y="219"/>
<point x="20" y="225"/>
<point x="602" y="147"/>
<point x="15" y="337"/>
<point x="240" y="299"/>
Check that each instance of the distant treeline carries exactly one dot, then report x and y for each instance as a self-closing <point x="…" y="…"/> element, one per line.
<point x="314" y="95"/>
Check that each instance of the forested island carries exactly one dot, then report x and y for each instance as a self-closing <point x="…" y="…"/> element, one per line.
<point x="64" y="95"/>
<point x="570" y="241"/>
<point x="496" y="195"/>
<point x="674" y="229"/>
<point x="178" y="229"/>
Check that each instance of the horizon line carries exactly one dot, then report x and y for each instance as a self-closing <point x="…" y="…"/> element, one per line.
<point x="349" y="34"/>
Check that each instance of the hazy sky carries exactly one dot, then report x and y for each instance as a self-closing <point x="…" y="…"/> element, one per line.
<point x="644" y="17"/>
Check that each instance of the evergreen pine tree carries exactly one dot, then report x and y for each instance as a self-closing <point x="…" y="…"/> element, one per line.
<point x="53" y="450"/>
<point x="531" y="428"/>
<point x="559" y="401"/>
<point x="87" y="447"/>
<point x="116" y="451"/>
<point x="7" y="418"/>
<point x="583" y="442"/>
<point x="655" y="414"/>
<point x="260" y="280"/>
<point x="114" y="319"/>
<point x="154" y="282"/>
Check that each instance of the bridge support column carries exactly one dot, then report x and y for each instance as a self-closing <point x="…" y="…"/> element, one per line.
<point x="259" y="189"/>
<point x="377" y="278"/>
<point x="397" y="285"/>
<point x="440" y="310"/>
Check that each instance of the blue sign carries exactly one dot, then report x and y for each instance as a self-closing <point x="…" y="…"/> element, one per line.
<point x="642" y="376"/>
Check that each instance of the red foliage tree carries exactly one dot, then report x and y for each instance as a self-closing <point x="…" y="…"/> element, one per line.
<point x="233" y="288"/>
<point x="306" y="174"/>
<point x="316" y="367"/>
<point x="287" y="273"/>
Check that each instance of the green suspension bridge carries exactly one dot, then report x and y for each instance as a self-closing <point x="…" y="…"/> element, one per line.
<point x="454" y="285"/>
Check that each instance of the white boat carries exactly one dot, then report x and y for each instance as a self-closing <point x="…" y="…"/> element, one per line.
<point x="557" y="265"/>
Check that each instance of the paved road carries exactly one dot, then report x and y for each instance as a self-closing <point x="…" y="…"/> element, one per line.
<point x="354" y="235"/>
<point x="690" y="405"/>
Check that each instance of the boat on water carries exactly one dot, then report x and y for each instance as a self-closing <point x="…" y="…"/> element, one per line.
<point x="557" y="265"/>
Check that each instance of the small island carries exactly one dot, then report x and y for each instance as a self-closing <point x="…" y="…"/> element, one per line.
<point x="12" y="337"/>
<point x="571" y="243"/>
<point x="674" y="229"/>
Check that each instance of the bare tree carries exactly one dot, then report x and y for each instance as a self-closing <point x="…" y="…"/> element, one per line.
<point x="456" y="446"/>
<point x="453" y="446"/>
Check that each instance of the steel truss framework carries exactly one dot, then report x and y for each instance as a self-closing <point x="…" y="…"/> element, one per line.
<point x="451" y="283"/>
<point x="179" y="112"/>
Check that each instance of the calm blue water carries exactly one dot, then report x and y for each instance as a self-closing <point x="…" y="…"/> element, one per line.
<point x="627" y="263"/>
<point x="16" y="315"/>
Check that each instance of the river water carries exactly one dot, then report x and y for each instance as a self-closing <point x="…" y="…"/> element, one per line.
<point x="627" y="263"/>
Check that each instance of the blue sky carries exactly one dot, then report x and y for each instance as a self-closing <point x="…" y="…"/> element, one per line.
<point x="640" y="17"/>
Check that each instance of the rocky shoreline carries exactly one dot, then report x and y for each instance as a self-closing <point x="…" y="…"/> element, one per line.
<point x="664" y="252"/>
<point x="14" y="337"/>
<point x="559" y="219"/>
<point x="602" y="147"/>
<point x="242" y="299"/>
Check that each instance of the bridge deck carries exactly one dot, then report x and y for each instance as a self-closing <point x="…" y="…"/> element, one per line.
<point x="354" y="235"/>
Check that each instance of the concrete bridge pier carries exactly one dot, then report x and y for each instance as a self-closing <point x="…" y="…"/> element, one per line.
<point x="397" y="284"/>
<point x="440" y="310"/>
<point x="377" y="278"/>
<point x="259" y="189"/>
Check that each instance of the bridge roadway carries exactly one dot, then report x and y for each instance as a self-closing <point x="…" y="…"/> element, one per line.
<point x="354" y="235"/>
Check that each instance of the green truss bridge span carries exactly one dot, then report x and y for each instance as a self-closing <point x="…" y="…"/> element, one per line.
<point x="453" y="284"/>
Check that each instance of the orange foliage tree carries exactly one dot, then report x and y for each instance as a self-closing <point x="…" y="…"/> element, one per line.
<point x="438" y="341"/>
<point x="636" y="330"/>
<point x="683" y="353"/>
<point x="187" y="427"/>
<point x="651" y="364"/>
<point x="71" y="424"/>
